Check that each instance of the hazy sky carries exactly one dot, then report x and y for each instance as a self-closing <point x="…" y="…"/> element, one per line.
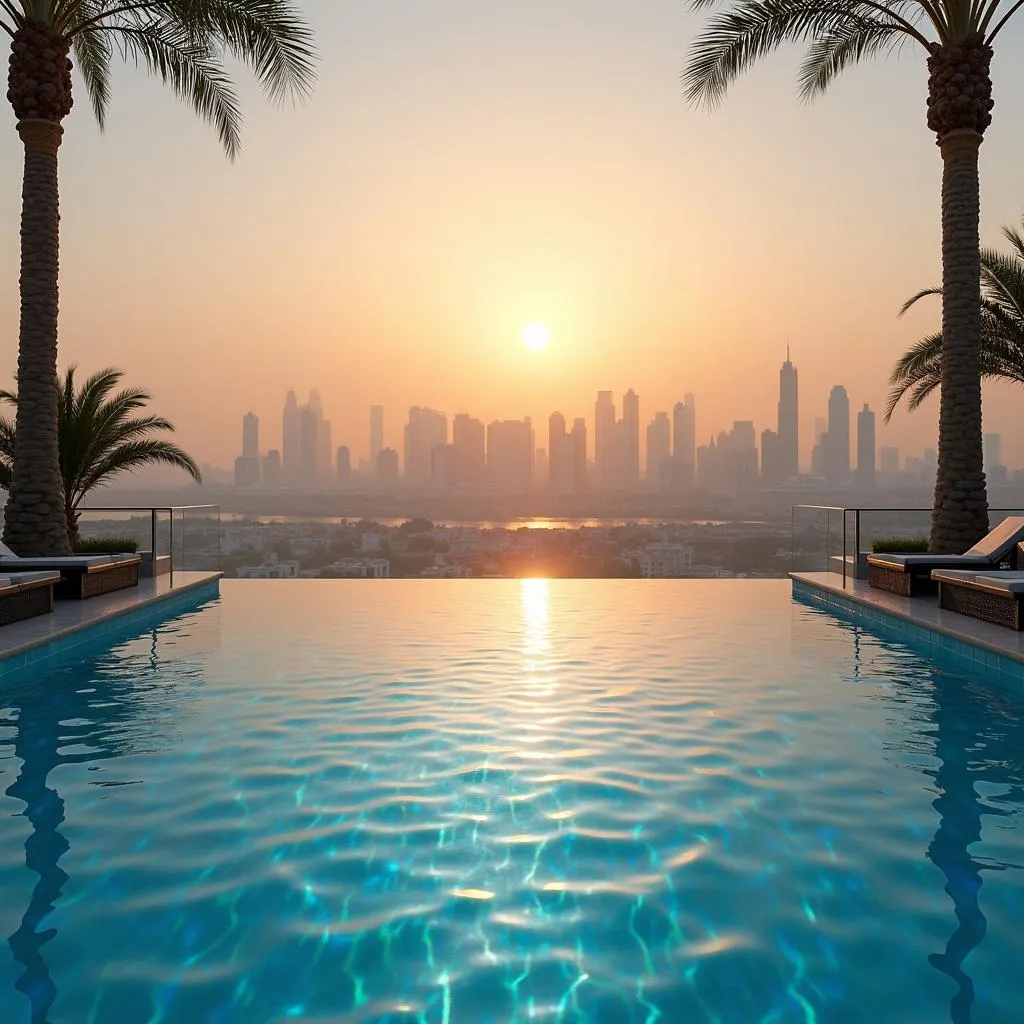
<point x="466" y="167"/>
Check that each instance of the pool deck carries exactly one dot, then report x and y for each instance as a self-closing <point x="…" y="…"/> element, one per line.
<point x="73" y="624"/>
<point x="919" y="622"/>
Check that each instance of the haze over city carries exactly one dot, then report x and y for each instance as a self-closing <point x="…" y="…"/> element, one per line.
<point x="465" y="169"/>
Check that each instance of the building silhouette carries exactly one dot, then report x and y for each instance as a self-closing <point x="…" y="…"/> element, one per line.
<point x="992" y="450"/>
<point x="889" y="461"/>
<point x="343" y="465"/>
<point x="605" y="441"/>
<point x="629" y="441"/>
<point x="684" y="442"/>
<point x="247" y="465"/>
<point x="659" y="451"/>
<point x="835" y="441"/>
<point x="387" y="467"/>
<point x="376" y="432"/>
<point x="865" y="447"/>
<point x="510" y="455"/>
<point x="468" y="440"/>
<point x="561" y="467"/>
<point x="788" y="429"/>
<point x="579" y="454"/>
<point x="291" y="438"/>
<point x="426" y="430"/>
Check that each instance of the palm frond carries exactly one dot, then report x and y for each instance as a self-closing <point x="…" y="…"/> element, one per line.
<point x="92" y="53"/>
<point x="915" y="298"/>
<point x="133" y="455"/>
<point x="839" y="32"/>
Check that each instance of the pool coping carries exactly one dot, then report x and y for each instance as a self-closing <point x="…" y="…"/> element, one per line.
<point x="993" y="652"/>
<point x="73" y="625"/>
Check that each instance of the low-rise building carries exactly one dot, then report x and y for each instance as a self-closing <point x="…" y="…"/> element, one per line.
<point x="666" y="560"/>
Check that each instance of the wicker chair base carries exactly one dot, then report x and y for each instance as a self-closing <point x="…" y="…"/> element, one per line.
<point x="896" y="581"/>
<point x="999" y="609"/>
<point x="25" y="603"/>
<point x="79" y="585"/>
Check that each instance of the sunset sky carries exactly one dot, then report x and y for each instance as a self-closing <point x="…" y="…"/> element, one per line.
<point x="465" y="167"/>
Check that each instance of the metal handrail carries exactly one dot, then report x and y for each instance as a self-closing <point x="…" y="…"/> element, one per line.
<point x="154" y="511"/>
<point x="845" y="510"/>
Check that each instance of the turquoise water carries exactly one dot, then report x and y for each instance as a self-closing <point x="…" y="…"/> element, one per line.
<point x="431" y="802"/>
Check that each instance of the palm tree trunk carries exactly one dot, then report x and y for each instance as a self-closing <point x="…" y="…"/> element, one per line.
<point x="34" y="522"/>
<point x="960" y="511"/>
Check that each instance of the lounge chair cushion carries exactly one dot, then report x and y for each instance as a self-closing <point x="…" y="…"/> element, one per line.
<point x="922" y="562"/>
<point x="998" y="543"/>
<point x="70" y="561"/>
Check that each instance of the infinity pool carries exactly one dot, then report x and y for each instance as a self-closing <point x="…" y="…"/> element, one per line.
<point x="498" y="802"/>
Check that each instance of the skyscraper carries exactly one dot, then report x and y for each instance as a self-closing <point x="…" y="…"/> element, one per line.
<point x="291" y="436"/>
<point x="309" y="444"/>
<point x="376" y="432"/>
<point x="344" y="465"/>
<point x="560" y="456"/>
<point x="579" y="454"/>
<point x="684" y="440"/>
<point x="865" y="447"/>
<point x="426" y="430"/>
<point x="251" y="437"/>
<point x="510" y="455"/>
<point x="772" y="472"/>
<point x="604" y="440"/>
<point x="630" y="439"/>
<point x="659" y="450"/>
<point x="836" y="442"/>
<point x="789" y="421"/>
<point x="469" y="456"/>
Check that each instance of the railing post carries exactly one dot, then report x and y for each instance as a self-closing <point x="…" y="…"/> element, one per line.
<point x="170" y="531"/>
<point x="152" y="540"/>
<point x="844" y="549"/>
<point x="856" y="536"/>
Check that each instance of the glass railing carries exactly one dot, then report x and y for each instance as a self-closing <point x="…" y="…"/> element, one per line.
<point x="170" y="538"/>
<point x="834" y="538"/>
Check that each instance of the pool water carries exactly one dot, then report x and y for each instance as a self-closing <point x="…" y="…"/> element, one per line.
<point x="499" y="802"/>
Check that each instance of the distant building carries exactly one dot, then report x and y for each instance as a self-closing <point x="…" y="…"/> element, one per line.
<point x="889" y="461"/>
<point x="291" y="433"/>
<point x="772" y="470"/>
<point x="426" y="430"/>
<point x="271" y="471"/>
<point x="684" y="443"/>
<point x="540" y="466"/>
<point x="664" y="560"/>
<point x="604" y="440"/>
<point x="269" y="571"/>
<point x="247" y="472"/>
<point x="343" y="465"/>
<point x="376" y="432"/>
<point x="995" y="471"/>
<point x="865" y="448"/>
<point x="836" y="442"/>
<point x="629" y="439"/>
<point x="468" y="439"/>
<point x="729" y="463"/>
<point x="443" y="467"/>
<point x="251" y="437"/>
<point x="787" y="463"/>
<point x="387" y="466"/>
<point x="560" y="456"/>
<point x="659" y="451"/>
<point x="579" y="454"/>
<point x="359" y="568"/>
<point x="510" y="455"/>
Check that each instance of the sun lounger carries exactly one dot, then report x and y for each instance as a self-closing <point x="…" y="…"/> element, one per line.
<point x="990" y="596"/>
<point x="910" y="575"/>
<point x="81" y="576"/>
<point x="24" y="595"/>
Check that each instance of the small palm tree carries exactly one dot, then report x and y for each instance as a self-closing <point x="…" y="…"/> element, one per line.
<point x="98" y="438"/>
<point x="957" y="38"/>
<point x="918" y="372"/>
<point x="185" y="43"/>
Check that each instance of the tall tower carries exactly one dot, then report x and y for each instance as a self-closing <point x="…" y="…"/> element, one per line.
<point x="560" y="473"/>
<point x="659" y="449"/>
<point x="865" y="447"/>
<point x="630" y="439"/>
<point x="579" y="454"/>
<point x="789" y="421"/>
<point x="468" y="442"/>
<point x="604" y="439"/>
<point x="837" y="439"/>
<point x="376" y="432"/>
<point x="684" y="439"/>
<point x="251" y="437"/>
<point x="291" y="438"/>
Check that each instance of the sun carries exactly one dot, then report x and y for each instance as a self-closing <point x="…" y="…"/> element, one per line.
<point x="536" y="336"/>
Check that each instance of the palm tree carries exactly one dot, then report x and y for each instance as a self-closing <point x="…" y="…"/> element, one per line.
<point x="1001" y="355"/>
<point x="957" y="36"/>
<point x="186" y="43"/>
<point x="98" y="437"/>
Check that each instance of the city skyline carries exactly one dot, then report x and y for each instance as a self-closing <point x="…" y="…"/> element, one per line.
<point x="616" y="213"/>
<point x="618" y="454"/>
